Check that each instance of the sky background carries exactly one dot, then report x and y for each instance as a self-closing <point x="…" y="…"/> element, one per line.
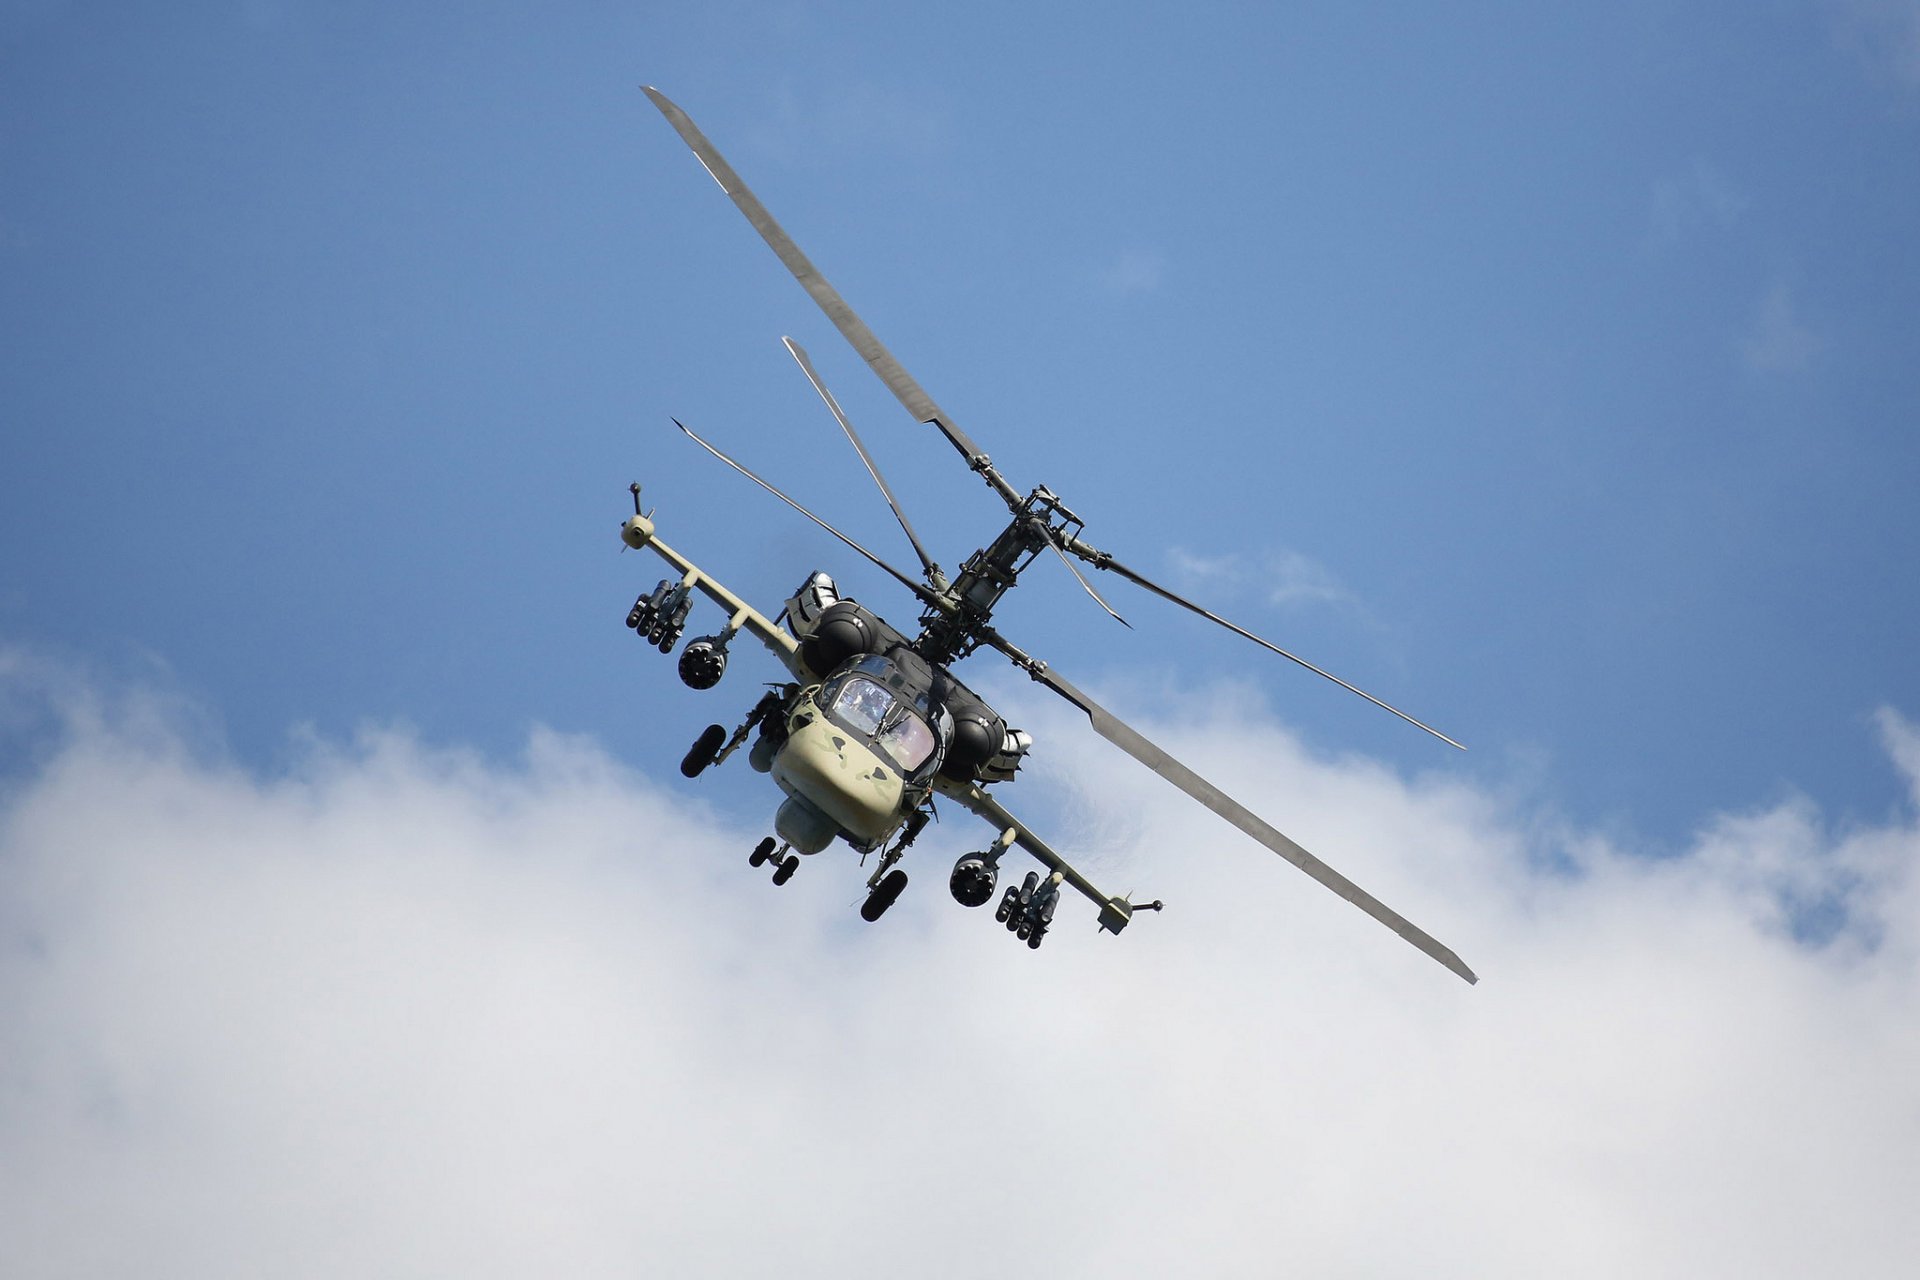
<point x="1549" y="372"/>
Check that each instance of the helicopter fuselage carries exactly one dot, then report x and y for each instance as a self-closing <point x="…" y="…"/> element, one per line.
<point x="860" y="752"/>
<point x="872" y="722"/>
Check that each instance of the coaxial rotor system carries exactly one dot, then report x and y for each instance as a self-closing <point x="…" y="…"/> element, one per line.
<point x="856" y="674"/>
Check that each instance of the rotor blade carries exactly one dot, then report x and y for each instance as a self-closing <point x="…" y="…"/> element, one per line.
<point x="799" y="354"/>
<point x="925" y="596"/>
<point x="850" y="325"/>
<point x="1131" y="741"/>
<point x="1074" y="569"/>
<point x="1101" y="560"/>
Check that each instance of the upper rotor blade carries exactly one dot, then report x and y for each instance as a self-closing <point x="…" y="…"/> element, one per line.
<point x="799" y="354"/>
<point x="925" y="596"/>
<point x="851" y="326"/>
<point x="1131" y="741"/>
<point x="1074" y="569"/>
<point x="1101" y="560"/>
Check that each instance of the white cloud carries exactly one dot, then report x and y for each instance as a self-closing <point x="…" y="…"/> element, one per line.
<point x="1777" y="340"/>
<point x="1701" y="199"/>
<point x="1203" y="568"/>
<point x="1294" y="577"/>
<point x="1884" y="35"/>
<point x="405" y="1011"/>
<point x="1282" y="576"/>
<point x="1903" y="744"/>
<point x="1133" y="272"/>
<point x="855" y="117"/>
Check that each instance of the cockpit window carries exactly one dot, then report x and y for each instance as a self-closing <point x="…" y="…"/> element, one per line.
<point x="870" y="710"/>
<point x="862" y="705"/>
<point x="907" y="740"/>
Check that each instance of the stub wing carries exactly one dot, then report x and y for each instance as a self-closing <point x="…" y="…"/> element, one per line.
<point x="1114" y="912"/>
<point x="638" y="533"/>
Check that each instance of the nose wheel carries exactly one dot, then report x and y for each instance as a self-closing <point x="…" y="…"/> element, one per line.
<point x="783" y="866"/>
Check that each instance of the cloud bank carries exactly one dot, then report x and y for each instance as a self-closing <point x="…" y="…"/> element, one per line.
<point x="399" y="1010"/>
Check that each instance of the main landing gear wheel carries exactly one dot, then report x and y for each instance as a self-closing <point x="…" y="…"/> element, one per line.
<point x="761" y="852"/>
<point x="883" y="895"/>
<point x="705" y="748"/>
<point x="784" y="872"/>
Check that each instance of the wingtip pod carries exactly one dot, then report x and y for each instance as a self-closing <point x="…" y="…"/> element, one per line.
<point x="637" y="532"/>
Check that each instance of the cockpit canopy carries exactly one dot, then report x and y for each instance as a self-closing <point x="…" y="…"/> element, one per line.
<point x="873" y="698"/>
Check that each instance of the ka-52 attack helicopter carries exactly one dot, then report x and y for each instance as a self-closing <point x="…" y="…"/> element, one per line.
<point x="873" y="723"/>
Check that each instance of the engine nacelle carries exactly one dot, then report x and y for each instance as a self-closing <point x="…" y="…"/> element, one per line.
<point x="804" y="607"/>
<point x="1006" y="761"/>
<point x="703" y="662"/>
<point x="845" y="630"/>
<point x="982" y="748"/>
<point x="977" y="735"/>
<point x="973" y="880"/>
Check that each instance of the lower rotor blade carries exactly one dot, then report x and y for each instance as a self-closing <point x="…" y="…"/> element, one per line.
<point x="1135" y="744"/>
<point x="1101" y="560"/>
<point x="799" y="355"/>
<point x="920" y="592"/>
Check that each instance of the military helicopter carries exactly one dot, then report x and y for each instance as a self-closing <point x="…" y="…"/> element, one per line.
<point x="873" y="725"/>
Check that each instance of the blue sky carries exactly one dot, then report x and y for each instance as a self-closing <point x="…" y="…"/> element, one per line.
<point x="1550" y="371"/>
<point x="1570" y="352"/>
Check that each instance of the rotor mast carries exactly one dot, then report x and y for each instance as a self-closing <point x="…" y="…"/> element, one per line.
<point x="1039" y="521"/>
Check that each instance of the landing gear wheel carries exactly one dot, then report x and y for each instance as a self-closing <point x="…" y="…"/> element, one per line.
<point x="784" y="872"/>
<point x="761" y="852"/>
<point x="704" y="750"/>
<point x="883" y="895"/>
